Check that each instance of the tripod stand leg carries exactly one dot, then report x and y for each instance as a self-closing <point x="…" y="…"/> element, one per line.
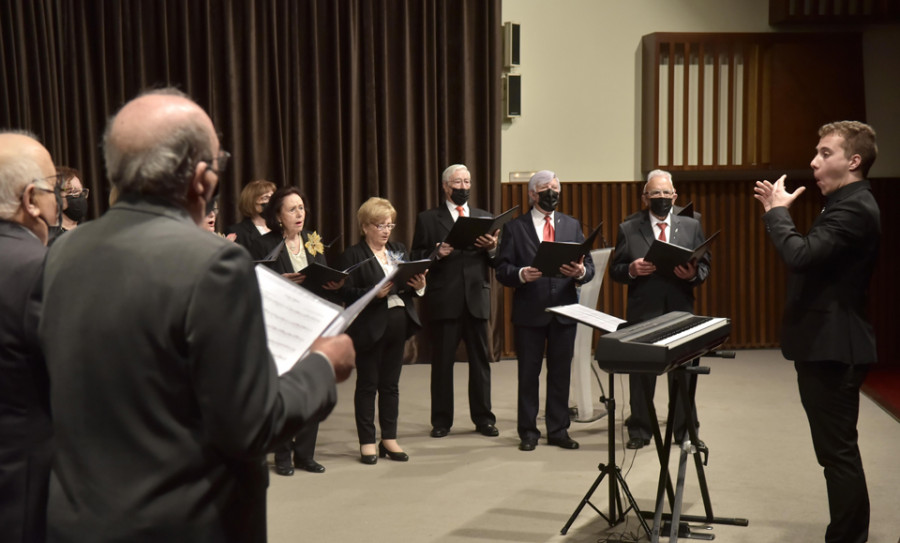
<point x="586" y="500"/>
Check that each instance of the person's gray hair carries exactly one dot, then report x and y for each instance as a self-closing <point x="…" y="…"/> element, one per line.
<point x="449" y="171"/>
<point x="164" y="169"/>
<point x="16" y="173"/>
<point x="659" y="173"/>
<point x="543" y="176"/>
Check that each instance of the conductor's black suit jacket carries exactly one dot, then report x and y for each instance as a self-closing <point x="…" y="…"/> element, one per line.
<point x="656" y="294"/>
<point x="370" y="325"/>
<point x="459" y="281"/>
<point x="25" y="427"/>
<point x="165" y="397"/>
<point x="830" y="269"/>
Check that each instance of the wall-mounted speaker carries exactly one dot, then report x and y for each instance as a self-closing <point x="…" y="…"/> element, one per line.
<point x="511" y="51"/>
<point x="513" y="95"/>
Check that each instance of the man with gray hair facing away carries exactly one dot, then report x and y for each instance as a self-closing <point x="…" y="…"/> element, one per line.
<point x="28" y="206"/>
<point x="165" y="396"/>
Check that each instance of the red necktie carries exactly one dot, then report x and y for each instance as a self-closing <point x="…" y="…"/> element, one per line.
<point x="462" y="212"/>
<point x="662" y="231"/>
<point x="549" y="234"/>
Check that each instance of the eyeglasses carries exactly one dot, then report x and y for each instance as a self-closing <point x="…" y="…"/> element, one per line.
<point x="79" y="194"/>
<point x="220" y="160"/>
<point x="658" y="193"/>
<point x="384" y="227"/>
<point x="459" y="182"/>
<point x="54" y="181"/>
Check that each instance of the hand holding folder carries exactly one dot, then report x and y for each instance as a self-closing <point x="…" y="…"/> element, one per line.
<point x="667" y="256"/>
<point x="552" y="255"/>
<point x="467" y="230"/>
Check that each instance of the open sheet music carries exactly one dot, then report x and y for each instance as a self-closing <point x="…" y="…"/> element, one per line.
<point x="588" y="316"/>
<point x="295" y="317"/>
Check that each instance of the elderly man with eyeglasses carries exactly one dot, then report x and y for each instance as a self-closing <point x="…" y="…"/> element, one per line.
<point x="653" y="292"/>
<point x="28" y="210"/>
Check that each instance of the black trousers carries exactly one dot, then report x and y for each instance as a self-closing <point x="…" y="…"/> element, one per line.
<point x="445" y="336"/>
<point x="530" y="341"/>
<point x="642" y="387"/>
<point x="303" y="445"/>
<point x="829" y="392"/>
<point x="378" y="372"/>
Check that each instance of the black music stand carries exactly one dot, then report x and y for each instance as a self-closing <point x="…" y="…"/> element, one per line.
<point x="616" y="514"/>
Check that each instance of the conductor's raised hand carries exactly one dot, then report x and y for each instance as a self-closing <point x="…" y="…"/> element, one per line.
<point x="775" y="195"/>
<point x="574" y="268"/>
<point x="640" y="268"/>
<point x="340" y="352"/>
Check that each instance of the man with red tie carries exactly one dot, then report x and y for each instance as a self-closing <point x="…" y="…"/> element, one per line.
<point x="457" y="303"/>
<point x="535" y="328"/>
<point x="651" y="294"/>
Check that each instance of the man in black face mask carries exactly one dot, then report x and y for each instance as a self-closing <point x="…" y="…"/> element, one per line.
<point x="76" y="198"/>
<point x="457" y="304"/>
<point x="652" y="294"/>
<point x="27" y="207"/>
<point x="535" y="328"/>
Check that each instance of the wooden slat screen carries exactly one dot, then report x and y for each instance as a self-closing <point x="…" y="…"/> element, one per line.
<point x="747" y="281"/>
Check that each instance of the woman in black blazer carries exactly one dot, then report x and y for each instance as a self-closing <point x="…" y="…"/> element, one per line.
<point x="254" y="199"/>
<point x="286" y="215"/>
<point x="380" y="332"/>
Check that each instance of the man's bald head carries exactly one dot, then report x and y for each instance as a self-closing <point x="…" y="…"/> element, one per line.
<point x="154" y="143"/>
<point x="27" y="195"/>
<point x="17" y="144"/>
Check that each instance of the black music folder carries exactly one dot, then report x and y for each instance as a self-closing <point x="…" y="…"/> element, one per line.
<point x="466" y="230"/>
<point x="405" y="271"/>
<point x="551" y="255"/>
<point x="667" y="256"/>
<point x="687" y="211"/>
<point x="272" y="256"/>
<point x="317" y="274"/>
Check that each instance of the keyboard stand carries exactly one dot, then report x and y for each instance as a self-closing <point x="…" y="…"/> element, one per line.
<point x="616" y="514"/>
<point x="674" y="520"/>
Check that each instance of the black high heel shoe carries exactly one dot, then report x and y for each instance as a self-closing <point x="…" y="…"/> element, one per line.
<point x="368" y="459"/>
<point x="395" y="456"/>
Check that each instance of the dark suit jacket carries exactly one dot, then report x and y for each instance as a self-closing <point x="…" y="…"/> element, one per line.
<point x="460" y="280"/>
<point x="246" y="232"/>
<point x="518" y="247"/>
<point x="370" y="325"/>
<point x="830" y="269"/>
<point x="165" y="395"/>
<point x="263" y="245"/>
<point x="654" y="295"/>
<point x="25" y="426"/>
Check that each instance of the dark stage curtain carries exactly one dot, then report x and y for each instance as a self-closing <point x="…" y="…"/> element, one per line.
<point x="346" y="99"/>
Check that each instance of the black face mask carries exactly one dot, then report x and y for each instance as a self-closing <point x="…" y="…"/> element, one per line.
<point x="77" y="208"/>
<point x="548" y="199"/>
<point x="262" y="207"/>
<point x="459" y="196"/>
<point x="660" y="206"/>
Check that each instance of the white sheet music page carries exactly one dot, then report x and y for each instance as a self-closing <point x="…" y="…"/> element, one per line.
<point x="294" y="317"/>
<point x="591" y="317"/>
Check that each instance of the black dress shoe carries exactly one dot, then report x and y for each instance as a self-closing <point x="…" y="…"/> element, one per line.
<point x="527" y="444"/>
<point x="395" y="456"/>
<point x="309" y="465"/>
<point x="488" y="430"/>
<point x="439" y="432"/>
<point x="368" y="459"/>
<point x="564" y="442"/>
<point x="637" y="443"/>
<point x="286" y="470"/>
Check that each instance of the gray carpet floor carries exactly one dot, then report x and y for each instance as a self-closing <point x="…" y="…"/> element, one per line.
<point x="466" y="488"/>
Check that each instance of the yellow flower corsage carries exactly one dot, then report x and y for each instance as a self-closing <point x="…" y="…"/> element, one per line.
<point x="314" y="244"/>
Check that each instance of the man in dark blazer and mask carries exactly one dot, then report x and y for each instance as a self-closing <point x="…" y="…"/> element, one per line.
<point x="651" y="292"/>
<point x="457" y="304"/>
<point x="165" y="397"/>
<point x="536" y="330"/>
<point x="28" y="206"/>
<point x="825" y="331"/>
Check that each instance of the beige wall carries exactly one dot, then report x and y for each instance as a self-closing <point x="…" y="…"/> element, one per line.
<point x="581" y="80"/>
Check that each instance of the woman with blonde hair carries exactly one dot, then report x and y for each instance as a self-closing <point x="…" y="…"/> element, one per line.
<point x="254" y="198"/>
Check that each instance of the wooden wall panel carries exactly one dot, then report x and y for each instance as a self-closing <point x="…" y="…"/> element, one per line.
<point x="747" y="281"/>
